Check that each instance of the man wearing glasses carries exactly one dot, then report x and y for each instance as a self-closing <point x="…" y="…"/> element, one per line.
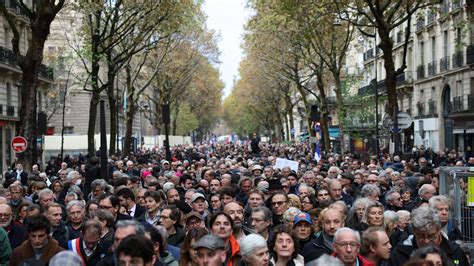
<point x="347" y="247"/>
<point x="426" y="225"/>
<point x="279" y="202"/>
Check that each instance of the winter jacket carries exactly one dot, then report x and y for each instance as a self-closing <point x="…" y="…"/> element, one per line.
<point x="25" y="252"/>
<point x="168" y="259"/>
<point x="402" y="252"/>
<point x="5" y="249"/>
<point x="77" y="246"/>
<point x="315" y="249"/>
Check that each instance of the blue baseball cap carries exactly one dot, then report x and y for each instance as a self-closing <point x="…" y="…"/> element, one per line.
<point x="302" y="217"/>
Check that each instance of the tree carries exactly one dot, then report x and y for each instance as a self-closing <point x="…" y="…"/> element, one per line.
<point x="114" y="31"/>
<point x="376" y="18"/>
<point x="40" y="16"/>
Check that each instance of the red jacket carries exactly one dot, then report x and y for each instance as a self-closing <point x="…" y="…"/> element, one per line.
<point x="363" y="261"/>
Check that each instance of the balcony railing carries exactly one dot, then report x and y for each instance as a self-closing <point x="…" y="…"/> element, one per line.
<point x="420" y="72"/>
<point x="10" y="110"/>
<point x="463" y="103"/>
<point x="470" y="54"/>
<point x="432" y="108"/>
<point x="1" y="109"/>
<point x="444" y="64"/>
<point x="458" y="59"/>
<point x="8" y="57"/>
<point x="401" y="79"/>
<point x="420" y="106"/>
<point x="432" y="68"/>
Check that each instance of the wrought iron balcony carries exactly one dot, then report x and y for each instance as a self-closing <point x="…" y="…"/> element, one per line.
<point x="432" y="68"/>
<point x="8" y="57"/>
<point x="369" y="89"/>
<point x="420" y="72"/>
<point x="457" y="104"/>
<point x="444" y="64"/>
<point x="420" y="106"/>
<point x="458" y="59"/>
<point x="432" y="111"/>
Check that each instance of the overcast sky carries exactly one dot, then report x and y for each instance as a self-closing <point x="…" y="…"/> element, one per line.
<point x="227" y="18"/>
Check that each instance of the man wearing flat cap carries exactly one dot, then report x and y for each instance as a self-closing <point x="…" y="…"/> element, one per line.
<point x="210" y="250"/>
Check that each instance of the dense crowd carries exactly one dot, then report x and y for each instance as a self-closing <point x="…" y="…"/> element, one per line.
<point x="227" y="204"/>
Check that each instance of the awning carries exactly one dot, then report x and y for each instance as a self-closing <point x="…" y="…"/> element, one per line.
<point x="334" y="132"/>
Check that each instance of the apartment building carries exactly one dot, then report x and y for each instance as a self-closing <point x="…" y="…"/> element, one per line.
<point x="10" y="81"/>
<point x="437" y="87"/>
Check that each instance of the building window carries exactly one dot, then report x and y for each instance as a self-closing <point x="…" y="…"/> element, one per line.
<point x="433" y="49"/>
<point x="9" y="93"/>
<point x="422" y="53"/>
<point x="68" y="130"/>
<point x="445" y="44"/>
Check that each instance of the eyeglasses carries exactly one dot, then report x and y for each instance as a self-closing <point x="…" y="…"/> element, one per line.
<point x="371" y="181"/>
<point x="350" y="244"/>
<point x="6" y="215"/>
<point x="278" y="203"/>
<point x="423" y="236"/>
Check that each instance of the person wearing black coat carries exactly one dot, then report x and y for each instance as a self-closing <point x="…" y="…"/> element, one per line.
<point x="426" y="225"/>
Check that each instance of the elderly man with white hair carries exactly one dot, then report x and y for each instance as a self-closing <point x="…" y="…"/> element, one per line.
<point x="425" y="192"/>
<point x="449" y="228"/>
<point x="346" y="247"/>
<point x="254" y="250"/>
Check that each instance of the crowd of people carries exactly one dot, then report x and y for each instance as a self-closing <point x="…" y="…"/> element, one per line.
<point x="232" y="205"/>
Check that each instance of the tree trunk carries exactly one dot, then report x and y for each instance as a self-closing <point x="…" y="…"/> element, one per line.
<point x="92" y="120"/>
<point x="324" y="113"/>
<point x="130" y="113"/>
<point x="341" y="110"/>
<point x="175" y="120"/>
<point x="386" y="45"/>
<point x="113" y="110"/>
<point x="41" y="20"/>
<point x="28" y="107"/>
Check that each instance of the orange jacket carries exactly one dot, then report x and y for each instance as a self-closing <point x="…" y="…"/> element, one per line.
<point x="234" y="259"/>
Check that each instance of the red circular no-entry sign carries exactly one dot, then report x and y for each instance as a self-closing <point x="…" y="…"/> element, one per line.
<point x="19" y="144"/>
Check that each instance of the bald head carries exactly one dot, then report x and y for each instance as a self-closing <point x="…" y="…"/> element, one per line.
<point x="427" y="191"/>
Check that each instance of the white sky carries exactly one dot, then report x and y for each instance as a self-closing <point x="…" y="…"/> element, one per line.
<point x="227" y="18"/>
